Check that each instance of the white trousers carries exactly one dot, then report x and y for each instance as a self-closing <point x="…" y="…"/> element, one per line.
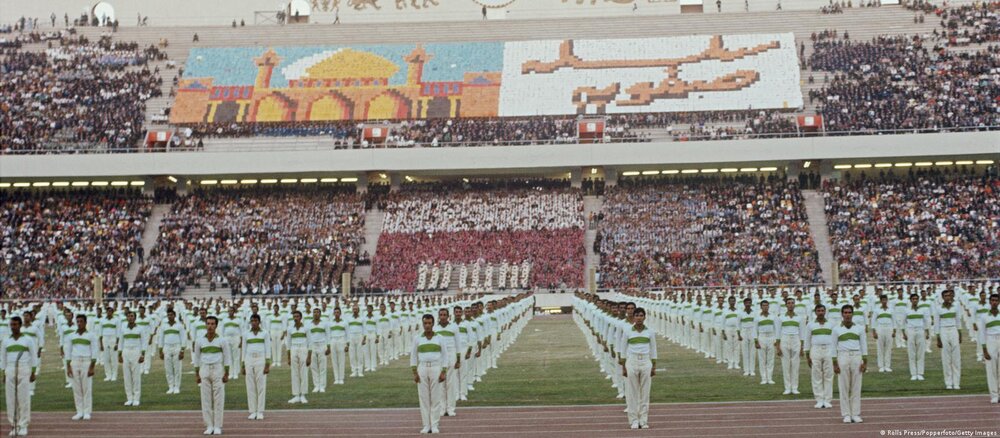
<point x="277" y="348"/>
<point x="951" y="356"/>
<point x="822" y="372"/>
<point x="849" y="383"/>
<point x="109" y="357"/>
<point x="451" y="386"/>
<point x="431" y="394"/>
<point x="132" y="373"/>
<point x="256" y="382"/>
<point x="749" y="358"/>
<point x="993" y="366"/>
<point x="639" y="368"/>
<point x="213" y="394"/>
<point x="236" y="356"/>
<point x="791" y="347"/>
<point x="385" y="350"/>
<point x="172" y="364"/>
<point x="17" y="387"/>
<point x="318" y="366"/>
<point x="300" y="375"/>
<point x="355" y="354"/>
<point x="916" y="346"/>
<point x="82" y="385"/>
<point x="338" y="358"/>
<point x="884" y="347"/>
<point x="370" y="358"/>
<point x="765" y="356"/>
<point x="731" y="349"/>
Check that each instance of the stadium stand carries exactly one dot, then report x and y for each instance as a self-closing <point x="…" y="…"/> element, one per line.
<point x="926" y="225"/>
<point x="75" y="95"/>
<point x="486" y="223"/>
<point x="256" y="240"/>
<point x="53" y="243"/>
<point x="705" y="231"/>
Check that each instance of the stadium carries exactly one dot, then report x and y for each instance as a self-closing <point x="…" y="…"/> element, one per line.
<point x="500" y="218"/>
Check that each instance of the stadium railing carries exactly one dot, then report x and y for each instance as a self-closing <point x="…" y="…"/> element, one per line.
<point x="315" y="143"/>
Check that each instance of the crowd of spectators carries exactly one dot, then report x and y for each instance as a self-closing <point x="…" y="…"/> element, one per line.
<point x="927" y="225"/>
<point x="913" y="82"/>
<point x="704" y="231"/>
<point x="534" y="221"/>
<point x="53" y="244"/>
<point x="257" y="241"/>
<point x="75" y="95"/>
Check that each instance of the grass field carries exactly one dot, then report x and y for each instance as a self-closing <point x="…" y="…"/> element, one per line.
<point x="549" y="364"/>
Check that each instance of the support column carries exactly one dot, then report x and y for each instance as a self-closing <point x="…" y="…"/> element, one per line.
<point x="362" y="183"/>
<point x="610" y="176"/>
<point x="395" y="180"/>
<point x="576" y="178"/>
<point x="181" y="185"/>
<point x="149" y="186"/>
<point x="827" y="172"/>
<point x="794" y="169"/>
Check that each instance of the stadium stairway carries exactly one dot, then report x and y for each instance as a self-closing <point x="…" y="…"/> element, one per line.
<point x="591" y="206"/>
<point x="203" y="291"/>
<point x="373" y="228"/>
<point x="149" y="235"/>
<point x="815" y="209"/>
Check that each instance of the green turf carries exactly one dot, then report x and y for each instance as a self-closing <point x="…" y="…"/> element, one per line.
<point x="549" y="364"/>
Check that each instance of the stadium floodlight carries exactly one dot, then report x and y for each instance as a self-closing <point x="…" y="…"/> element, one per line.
<point x="651" y="172"/>
<point x="60" y="184"/>
<point x="348" y="180"/>
<point x="670" y="172"/>
<point x="963" y="163"/>
<point x="99" y="183"/>
<point x="138" y="183"/>
<point x="80" y="183"/>
<point x="768" y="169"/>
<point x="172" y="179"/>
<point x="984" y="162"/>
<point x="924" y="163"/>
<point x="943" y="163"/>
<point x="308" y="180"/>
<point x="593" y="171"/>
<point x="328" y="180"/>
<point x="630" y="173"/>
<point x="729" y="169"/>
<point x="807" y="164"/>
<point x="904" y="164"/>
<point x="228" y="182"/>
<point x="268" y="181"/>
<point x="407" y="177"/>
<point x="248" y="181"/>
<point x="119" y="183"/>
<point x="289" y="180"/>
<point x="209" y="182"/>
<point x="41" y="184"/>
<point x="842" y="166"/>
<point x="22" y="184"/>
<point x="883" y="164"/>
<point x="748" y="169"/>
<point x="4" y="185"/>
<point x="382" y="175"/>
<point x="863" y="166"/>
<point x="689" y="171"/>
<point x="709" y="170"/>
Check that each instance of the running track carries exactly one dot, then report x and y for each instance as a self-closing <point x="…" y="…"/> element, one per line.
<point x="732" y="419"/>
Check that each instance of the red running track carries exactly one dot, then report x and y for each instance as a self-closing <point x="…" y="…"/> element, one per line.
<point x="733" y="419"/>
